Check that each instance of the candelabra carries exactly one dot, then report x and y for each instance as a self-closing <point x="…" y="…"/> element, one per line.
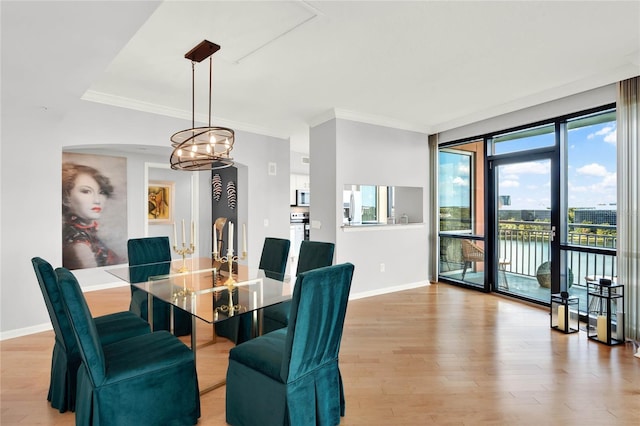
<point x="183" y="251"/>
<point x="182" y="294"/>
<point x="230" y="282"/>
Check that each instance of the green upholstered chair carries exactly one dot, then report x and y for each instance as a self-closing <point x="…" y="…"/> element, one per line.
<point x="66" y="356"/>
<point x="273" y="261"/>
<point x="148" y="257"/>
<point x="149" y="379"/>
<point x="313" y="254"/>
<point x="291" y="376"/>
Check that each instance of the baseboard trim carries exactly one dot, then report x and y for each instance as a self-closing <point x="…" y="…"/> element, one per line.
<point x="20" y="332"/>
<point x="39" y="328"/>
<point x="105" y="286"/>
<point x="386" y="290"/>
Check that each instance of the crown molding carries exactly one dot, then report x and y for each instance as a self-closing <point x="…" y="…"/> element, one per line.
<point x="344" y="114"/>
<point x="128" y="103"/>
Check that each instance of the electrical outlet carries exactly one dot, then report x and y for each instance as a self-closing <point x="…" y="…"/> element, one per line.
<point x="266" y="223"/>
<point x="382" y="267"/>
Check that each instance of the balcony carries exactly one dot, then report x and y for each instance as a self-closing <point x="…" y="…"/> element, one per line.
<point x="524" y="249"/>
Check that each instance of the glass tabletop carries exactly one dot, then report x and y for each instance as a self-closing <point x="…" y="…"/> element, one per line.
<point x="201" y="289"/>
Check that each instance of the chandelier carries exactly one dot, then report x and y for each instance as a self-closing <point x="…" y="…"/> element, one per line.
<point x="202" y="148"/>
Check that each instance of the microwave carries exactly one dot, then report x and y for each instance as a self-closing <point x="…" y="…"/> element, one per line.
<point x="302" y="198"/>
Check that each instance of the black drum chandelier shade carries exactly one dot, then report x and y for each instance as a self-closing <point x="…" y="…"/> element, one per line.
<point x="202" y="148"/>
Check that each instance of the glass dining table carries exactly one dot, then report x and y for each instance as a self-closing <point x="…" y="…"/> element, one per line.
<point x="207" y="292"/>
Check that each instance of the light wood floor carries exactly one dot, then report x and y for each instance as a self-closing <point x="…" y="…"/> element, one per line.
<point x="436" y="355"/>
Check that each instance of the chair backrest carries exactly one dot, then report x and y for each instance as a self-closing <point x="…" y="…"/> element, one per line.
<point x="153" y="253"/>
<point x="472" y="252"/>
<point x="55" y="305"/>
<point x="313" y="255"/>
<point x="274" y="257"/>
<point x="83" y="325"/>
<point x="318" y="309"/>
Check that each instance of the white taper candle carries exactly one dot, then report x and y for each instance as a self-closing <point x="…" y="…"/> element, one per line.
<point x="215" y="240"/>
<point x="244" y="238"/>
<point x="175" y="235"/>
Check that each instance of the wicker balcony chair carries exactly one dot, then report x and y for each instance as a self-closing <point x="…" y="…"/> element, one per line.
<point x="471" y="253"/>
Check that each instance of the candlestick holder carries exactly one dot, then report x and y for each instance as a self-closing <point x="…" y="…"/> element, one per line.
<point x="183" y="251"/>
<point x="230" y="282"/>
<point x="183" y="292"/>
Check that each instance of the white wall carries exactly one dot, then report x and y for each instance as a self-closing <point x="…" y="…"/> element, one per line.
<point x="37" y="96"/>
<point x="31" y="216"/>
<point x="373" y="155"/>
<point x="323" y="188"/>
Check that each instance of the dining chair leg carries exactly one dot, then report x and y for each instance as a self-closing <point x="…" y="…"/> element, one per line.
<point x="193" y="336"/>
<point x="150" y="310"/>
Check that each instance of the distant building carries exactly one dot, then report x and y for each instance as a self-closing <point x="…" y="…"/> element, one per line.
<point x="595" y="216"/>
<point x="525" y="215"/>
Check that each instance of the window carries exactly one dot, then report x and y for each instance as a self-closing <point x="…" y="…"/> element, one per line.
<point x="524" y="140"/>
<point x="381" y="205"/>
<point x="555" y="178"/>
<point x="591" y="214"/>
<point x="455" y="182"/>
<point x="461" y="203"/>
<point x="369" y="204"/>
<point x="591" y="180"/>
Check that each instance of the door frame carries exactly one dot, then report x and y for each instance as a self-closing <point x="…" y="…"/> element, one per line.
<point x="551" y="154"/>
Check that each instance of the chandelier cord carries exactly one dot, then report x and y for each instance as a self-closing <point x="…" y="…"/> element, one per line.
<point x="210" y="86"/>
<point x="193" y="94"/>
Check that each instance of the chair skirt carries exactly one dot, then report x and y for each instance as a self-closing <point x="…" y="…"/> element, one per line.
<point x="256" y="399"/>
<point x="65" y="364"/>
<point x="62" y="386"/>
<point x="132" y="371"/>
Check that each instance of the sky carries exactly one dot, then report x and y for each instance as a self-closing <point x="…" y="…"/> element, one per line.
<point x="591" y="172"/>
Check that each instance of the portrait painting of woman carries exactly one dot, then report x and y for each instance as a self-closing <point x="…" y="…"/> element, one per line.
<point x="86" y="197"/>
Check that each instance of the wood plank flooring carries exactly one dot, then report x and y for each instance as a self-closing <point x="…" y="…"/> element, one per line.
<point x="437" y="355"/>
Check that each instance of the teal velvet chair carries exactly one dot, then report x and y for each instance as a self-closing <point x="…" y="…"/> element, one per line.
<point x="313" y="254"/>
<point x="148" y="257"/>
<point x="149" y="379"/>
<point x="291" y="376"/>
<point x="273" y="261"/>
<point x="66" y="355"/>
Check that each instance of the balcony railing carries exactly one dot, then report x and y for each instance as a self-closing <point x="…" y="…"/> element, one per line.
<point x="588" y="254"/>
<point x="589" y="251"/>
